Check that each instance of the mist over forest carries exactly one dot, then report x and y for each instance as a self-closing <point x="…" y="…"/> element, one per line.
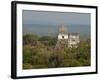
<point x="52" y="30"/>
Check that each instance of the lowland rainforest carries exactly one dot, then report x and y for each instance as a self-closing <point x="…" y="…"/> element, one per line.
<point x="40" y="52"/>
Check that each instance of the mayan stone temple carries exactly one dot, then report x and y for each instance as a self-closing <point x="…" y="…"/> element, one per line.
<point x="67" y="39"/>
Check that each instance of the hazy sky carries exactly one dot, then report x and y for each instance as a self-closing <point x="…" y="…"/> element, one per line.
<point x="40" y="21"/>
<point x="37" y="17"/>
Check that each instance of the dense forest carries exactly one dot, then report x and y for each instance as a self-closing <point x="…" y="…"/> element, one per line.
<point x="40" y="52"/>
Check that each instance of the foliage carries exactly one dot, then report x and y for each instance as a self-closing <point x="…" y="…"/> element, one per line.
<point x="29" y="38"/>
<point x="39" y="52"/>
